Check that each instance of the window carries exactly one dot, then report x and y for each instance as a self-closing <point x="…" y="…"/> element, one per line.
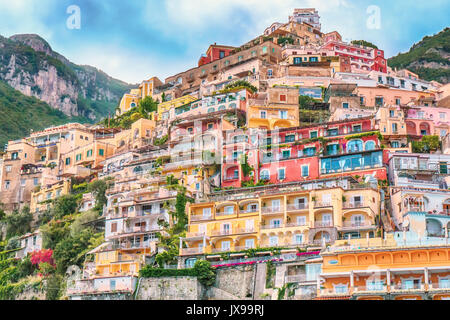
<point x="305" y="171"/>
<point x="89" y="153"/>
<point x="341" y="288"/>
<point x="210" y="126"/>
<point x="345" y="105"/>
<point x="206" y="212"/>
<point x="269" y="72"/>
<point x="301" y="221"/>
<point x="298" y="239"/>
<point x="226" y="245"/>
<point x="190" y="130"/>
<point x="397" y="101"/>
<point x="289" y="138"/>
<point x="391" y="113"/>
<point x="78" y="157"/>
<point x="286" y="154"/>
<point x="370" y="145"/>
<point x="35" y="181"/>
<point x="67" y="161"/>
<point x="443" y="168"/>
<point x="283" y="114"/>
<point x="14" y="155"/>
<point x="229" y="210"/>
<point x="264" y="49"/>
<point x="114" y="227"/>
<point x="442" y="115"/>
<point x="221" y="54"/>
<point x="22" y="182"/>
<point x="265" y="175"/>
<point x="379" y="101"/>
<point x="374" y="285"/>
<point x="394" y="128"/>
<point x="357" y="128"/>
<point x="8" y="168"/>
<point x="249" y="243"/>
<point x="273" y="241"/>
<point x="309" y="152"/>
<point x="101" y="152"/>
<point x="282" y="97"/>
<point x="313" y="134"/>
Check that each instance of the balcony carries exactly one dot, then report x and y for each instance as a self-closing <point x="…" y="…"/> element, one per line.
<point x="272" y="210"/>
<point x="406" y="289"/>
<point x="354" y="205"/>
<point x="370" y="289"/>
<point x="225" y="214"/>
<point x="245" y="230"/>
<point x="323" y="224"/>
<point x="195" y="235"/>
<point x="192" y="251"/>
<point x="352" y="225"/>
<point x="225" y="232"/>
<point x="295" y="278"/>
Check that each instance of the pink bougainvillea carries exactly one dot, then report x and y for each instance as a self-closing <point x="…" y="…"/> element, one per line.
<point x="44" y="255"/>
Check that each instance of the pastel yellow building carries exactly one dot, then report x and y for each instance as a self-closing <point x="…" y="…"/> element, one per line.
<point x="147" y="87"/>
<point x="287" y="219"/>
<point x="166" y="110"/>
<point x="41" y="197"/>
<point x="278" y="108"/>
<point x="128" y="102"/>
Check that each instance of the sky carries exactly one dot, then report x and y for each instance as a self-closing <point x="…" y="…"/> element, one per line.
<point x="134" y="40"/>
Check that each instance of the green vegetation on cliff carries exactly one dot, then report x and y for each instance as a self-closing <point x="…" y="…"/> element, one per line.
<point x="20" y="113"/>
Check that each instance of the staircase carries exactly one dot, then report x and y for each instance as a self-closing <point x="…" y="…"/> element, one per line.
<point x="259" y="280"/>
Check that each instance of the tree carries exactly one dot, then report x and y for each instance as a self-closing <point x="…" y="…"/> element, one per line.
<point x="53" y="233"/>
<point x="206" y="274"/>
<point x="65" y="205"/>
<point x="18" y="223"/>
<point x="147" y="105"/>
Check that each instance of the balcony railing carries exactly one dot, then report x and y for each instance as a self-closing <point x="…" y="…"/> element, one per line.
<point x="323" y="224"/>
<point x="353" y="205"/>
<point x="249" y="211"/>
<point x="321" y="204"/>
<point x="272" y="210"/>
<point x="295" y="278"/>
<point x="195" y="234"/>
<point x="440" y="286"/>
<point x="201" y="218"/>
<point x="222" y="232"/>
<point x="272" y="226"/>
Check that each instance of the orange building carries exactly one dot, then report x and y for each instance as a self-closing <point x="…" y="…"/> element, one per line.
<point x="382" y="271"/>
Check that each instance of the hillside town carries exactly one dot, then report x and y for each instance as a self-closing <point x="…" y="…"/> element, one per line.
<point x="297" y="165"/>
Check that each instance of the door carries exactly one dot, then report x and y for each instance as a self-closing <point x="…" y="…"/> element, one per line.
<point x="112" y="285"/>
<point x="275" y="223"/>
<point x="226" y="228"/>
<point x="276" y="204"/>
<point x="226" y="246"/>
<point x="327" y="220"/>
<point x="249" y="243"/>
<point x="249" y="225"/>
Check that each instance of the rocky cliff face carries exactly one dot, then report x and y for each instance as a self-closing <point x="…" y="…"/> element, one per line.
<point x="28" y="64"/>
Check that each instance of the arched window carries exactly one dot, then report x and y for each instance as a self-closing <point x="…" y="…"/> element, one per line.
<point x="370" y="145"/>
<point x="133" y="105"/>
<point x="221" y="108"/>
<point x="138" y="170"/>
<point x="355" y="146"/>
<point x="233" y="106"/>
<point x="210" y="110"/>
